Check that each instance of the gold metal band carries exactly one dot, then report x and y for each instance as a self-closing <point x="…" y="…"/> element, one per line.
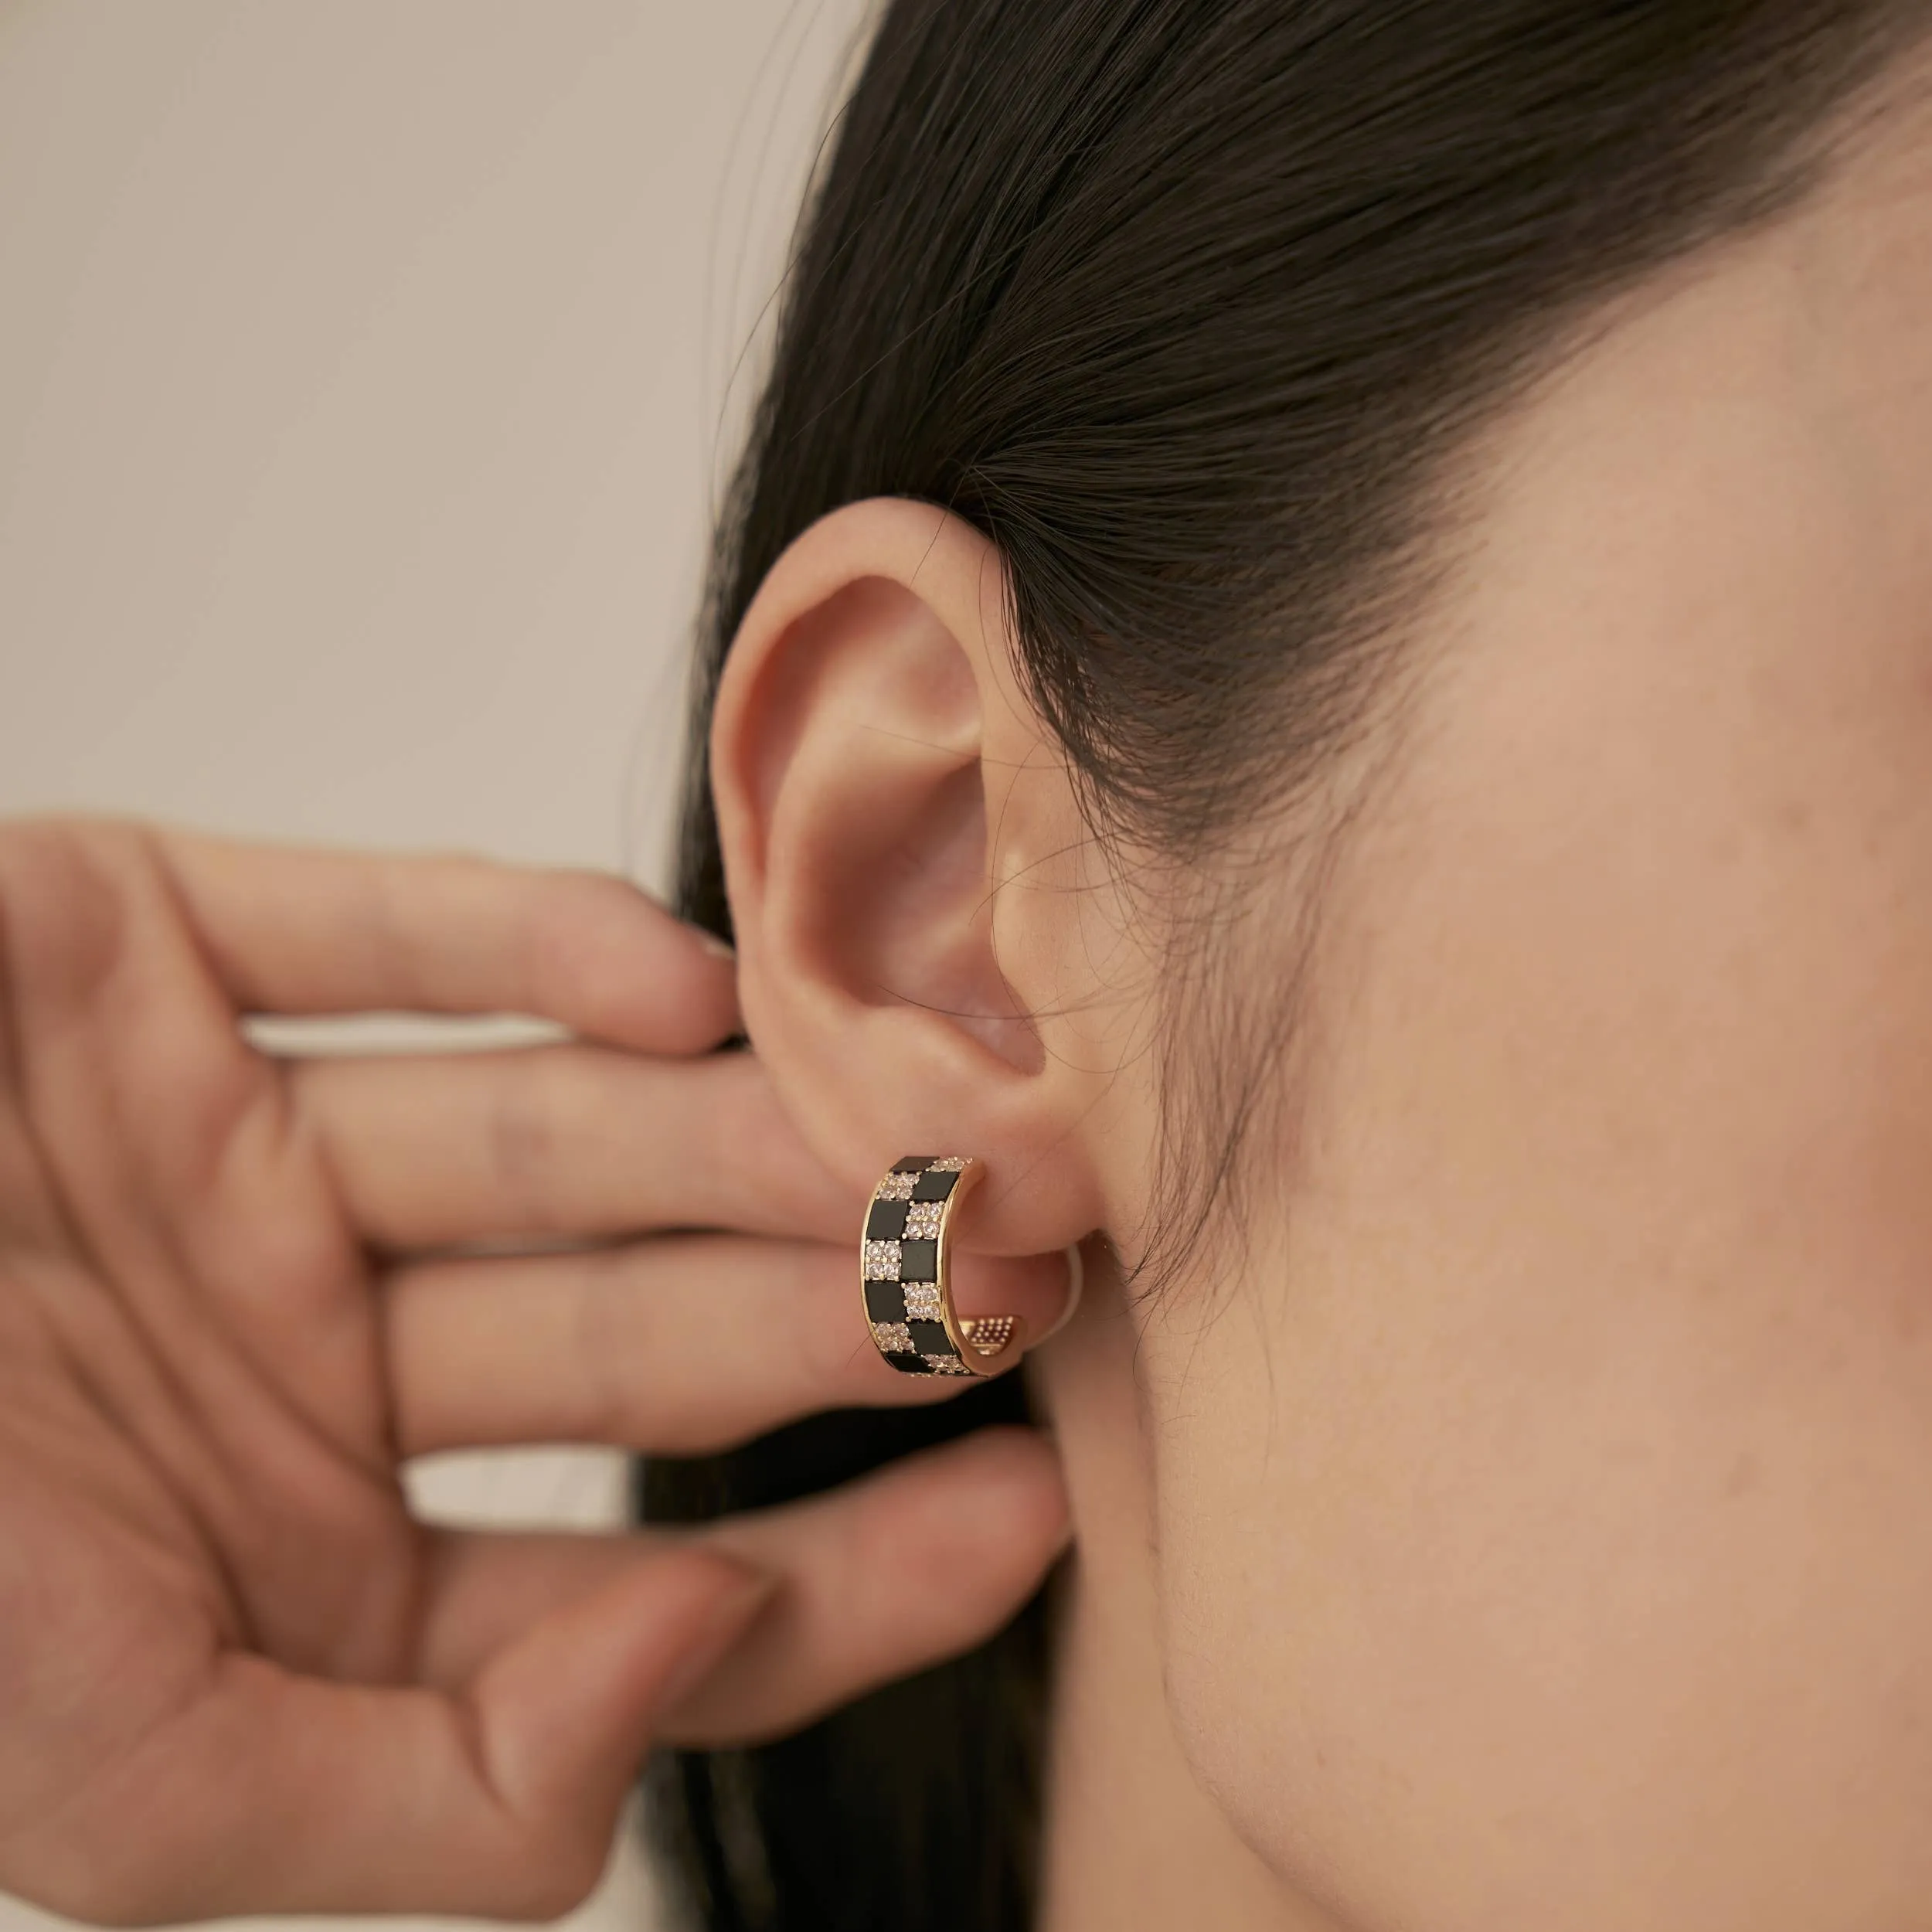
<point x="905" y="1273"/>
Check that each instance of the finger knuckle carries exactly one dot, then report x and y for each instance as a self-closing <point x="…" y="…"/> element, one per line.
<point x="562" y="913"/>
<point x="606" y="1345"/>
<point x="67" y="891"/>
<point x="532" y="1119"/>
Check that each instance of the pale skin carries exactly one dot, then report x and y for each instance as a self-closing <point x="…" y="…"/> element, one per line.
<point x="235" y="1676"/>
<point x="1529" y="1532"/>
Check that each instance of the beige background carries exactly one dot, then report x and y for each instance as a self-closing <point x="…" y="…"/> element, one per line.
<point x="362" y="370"/>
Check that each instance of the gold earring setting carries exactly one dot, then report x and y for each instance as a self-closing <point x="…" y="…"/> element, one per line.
<point x="905" y="1273"/>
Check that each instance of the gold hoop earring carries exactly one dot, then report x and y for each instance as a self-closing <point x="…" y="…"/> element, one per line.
<point x="905" y="1273"/>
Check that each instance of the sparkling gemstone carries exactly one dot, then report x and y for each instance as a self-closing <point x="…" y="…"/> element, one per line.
<point x="892" y="1336"/>
<point x="948" y="1164"/>
<point x="921" y="1299"/>
<point x="896" y="1187"/>
<point x="946" y="1365"/>
<point x="882" y="1260"/>
<point x="922" y="1220"/>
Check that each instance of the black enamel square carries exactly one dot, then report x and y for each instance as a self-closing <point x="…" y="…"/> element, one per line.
<point x="914" y="1163"/>
<point x="934" y="1187"/>
<point x="885" y="1301"/>
<point x="929" y="1337"/>
<point x="887" y="1221"/>
<point x="919" y="1261"/>
<point x="909" y="1365"/>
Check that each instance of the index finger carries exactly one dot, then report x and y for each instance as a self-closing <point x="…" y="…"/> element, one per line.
<point x="295" y="930"/>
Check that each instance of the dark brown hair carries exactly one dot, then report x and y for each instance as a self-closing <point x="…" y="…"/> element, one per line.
<point x="1187" y="305"/>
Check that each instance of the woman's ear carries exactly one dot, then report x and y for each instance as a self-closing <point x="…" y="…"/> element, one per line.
<point x="906" y="860"/>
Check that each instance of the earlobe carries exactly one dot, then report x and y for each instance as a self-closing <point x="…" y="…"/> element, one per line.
<point x="879" y="775"/>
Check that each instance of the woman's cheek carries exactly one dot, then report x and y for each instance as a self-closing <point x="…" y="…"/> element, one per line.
<point x="1545" y="1538"/>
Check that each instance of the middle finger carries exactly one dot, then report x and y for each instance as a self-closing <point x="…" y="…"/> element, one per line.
<point x="675" y="1346"/>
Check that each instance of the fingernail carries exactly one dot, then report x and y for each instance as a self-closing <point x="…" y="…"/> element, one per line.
<point x="733" y="1614"/>
<point x="713" y="944"/>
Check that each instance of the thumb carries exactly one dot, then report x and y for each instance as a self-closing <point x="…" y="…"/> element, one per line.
<point x="564" y="1714"/>
<point x="279" y="1792"/>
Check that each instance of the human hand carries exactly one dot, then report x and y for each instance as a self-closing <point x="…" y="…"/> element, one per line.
<point x="235" y="1675"/>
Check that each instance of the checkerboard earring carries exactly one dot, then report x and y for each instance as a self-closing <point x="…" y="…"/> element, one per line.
<point x="905" y="1272"/>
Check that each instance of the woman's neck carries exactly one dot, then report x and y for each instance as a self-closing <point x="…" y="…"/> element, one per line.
<point x="1133" y="1844"/>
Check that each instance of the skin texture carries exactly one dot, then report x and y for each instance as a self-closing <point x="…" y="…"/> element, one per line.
<point x="1525" y="1525"/>
<point x="235" y="1676"/>
<point x="1514" y="1521"/>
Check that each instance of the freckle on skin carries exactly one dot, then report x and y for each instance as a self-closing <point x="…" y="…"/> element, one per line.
<point x="1745" y="1476"/>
